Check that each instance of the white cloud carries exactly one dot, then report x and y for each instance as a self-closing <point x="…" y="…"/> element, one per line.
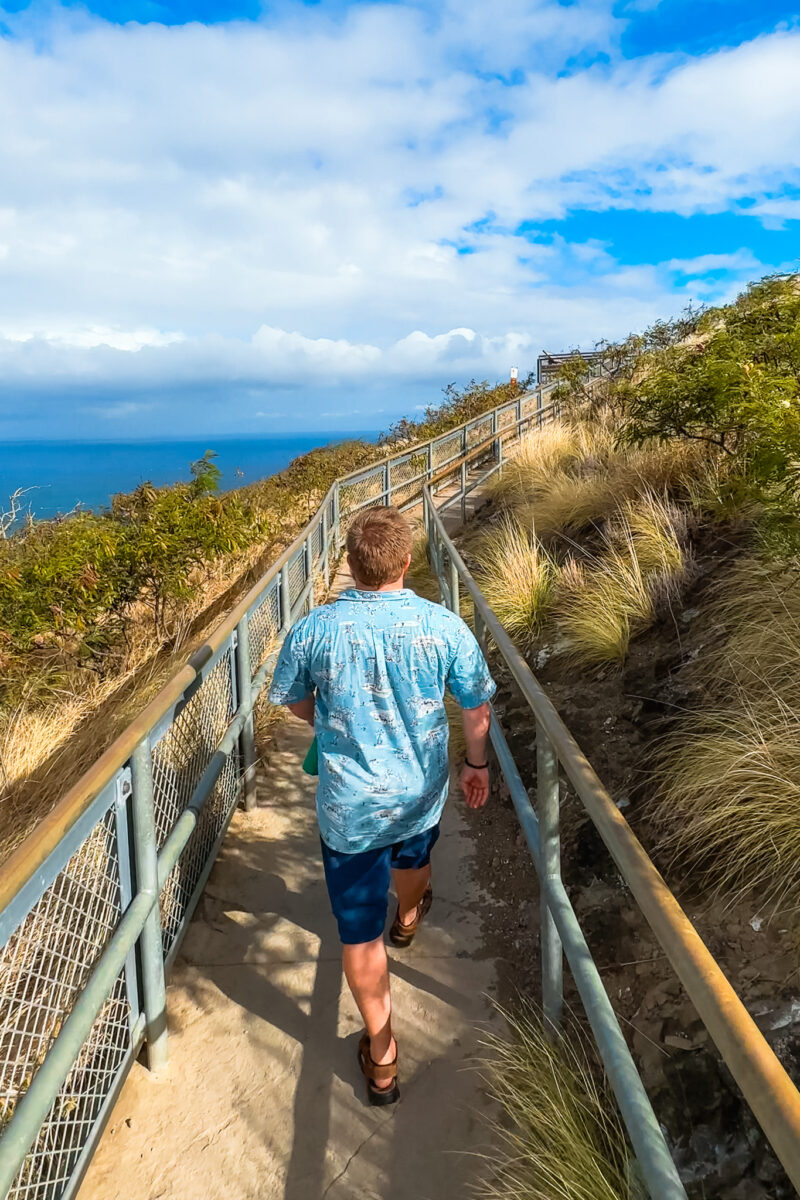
<point x="262" y="205"/>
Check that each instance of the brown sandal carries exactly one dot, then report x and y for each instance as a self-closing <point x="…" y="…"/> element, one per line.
<point x="403" y="935"/>
<point x="375" y="1073"/>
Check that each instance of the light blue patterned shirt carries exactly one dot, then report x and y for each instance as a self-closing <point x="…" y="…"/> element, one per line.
<point x="379" y="663"/>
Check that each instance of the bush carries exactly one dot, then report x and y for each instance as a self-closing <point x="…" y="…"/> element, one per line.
<point x="727" y="379"/>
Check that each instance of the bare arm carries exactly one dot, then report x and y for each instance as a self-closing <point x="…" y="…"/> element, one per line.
<point x="475" y="780"/>
<point x="304" y="709"/>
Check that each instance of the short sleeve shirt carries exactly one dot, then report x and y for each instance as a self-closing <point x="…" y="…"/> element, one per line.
<point x="380" y="663"/>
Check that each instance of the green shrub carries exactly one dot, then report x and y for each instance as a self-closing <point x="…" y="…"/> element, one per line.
<point x="727" y="379"/>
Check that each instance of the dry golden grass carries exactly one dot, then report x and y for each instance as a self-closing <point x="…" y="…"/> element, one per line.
<point x="756" y="607"/>
<point x="657" y="529"/>
<point x="539" y="456"/>
<point x="516" y="575"/>
<point x="728" y="775"/>
<point x="601" y="607"/>
<point x="569" y="477"/>
<point x="729" y="798"/>
<point x="571" y="503"/>
<point x="604" y="602"/>
<point x="561" y="1138"/>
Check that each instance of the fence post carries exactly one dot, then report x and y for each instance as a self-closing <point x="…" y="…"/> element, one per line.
<point x="495" y="444"/>
<point x="480" y="631"/>
<point x="454" y="596"/>
<point x="326" y="568"/>
<point x="309" y="561"/>
<point x="247" y="738"/>
<point x="547" y="811"/>
<point x="286" y="600"/>
<point x="539" y="406"/>
<point x="337" y="518"/>
<point x="387" y="483"/>
<point x="150" y="945"/>
<point x="463" y="493"/>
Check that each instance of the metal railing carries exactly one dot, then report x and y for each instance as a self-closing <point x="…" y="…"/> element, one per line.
<point x="766" y="1087"/>
<point x="95" y="902"/>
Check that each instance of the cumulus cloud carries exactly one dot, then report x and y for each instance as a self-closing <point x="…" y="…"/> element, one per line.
<point x="339" y="200"/>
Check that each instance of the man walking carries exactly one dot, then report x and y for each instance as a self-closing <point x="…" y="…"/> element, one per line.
<point x="369" y="672"/>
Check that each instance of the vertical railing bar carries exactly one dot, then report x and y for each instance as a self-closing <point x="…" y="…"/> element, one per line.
<point x="309" y="564"/>
<point x="247" y="738"/>
<point x="127" y="875"/>
<point x="150" y="944"/>
<point x="455" y="603"/>
<point x="326" y="568"/>
<point x="337" y="518"/>
<point x="286" y="600"/>
<point x="547" y="805"/>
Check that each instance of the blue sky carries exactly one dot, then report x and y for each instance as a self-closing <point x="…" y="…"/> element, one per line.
<point x="257" y="218"/>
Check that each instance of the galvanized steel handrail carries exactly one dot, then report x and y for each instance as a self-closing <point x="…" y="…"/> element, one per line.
<point x="93" y="905"/>
<point x="767" y="1088"/>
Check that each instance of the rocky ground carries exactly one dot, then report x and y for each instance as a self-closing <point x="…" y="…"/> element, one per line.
<point x="616" y="714"/>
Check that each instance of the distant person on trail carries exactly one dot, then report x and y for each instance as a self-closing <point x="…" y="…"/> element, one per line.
<point x="369" y="672"/>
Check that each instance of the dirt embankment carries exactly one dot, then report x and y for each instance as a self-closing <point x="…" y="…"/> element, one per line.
<point x="617" y="715"/>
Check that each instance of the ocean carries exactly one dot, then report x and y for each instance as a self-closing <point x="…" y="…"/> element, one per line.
<point x="63" y="474"/>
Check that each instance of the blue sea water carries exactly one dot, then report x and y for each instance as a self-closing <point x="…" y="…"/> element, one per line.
<point x="64" y="474"/>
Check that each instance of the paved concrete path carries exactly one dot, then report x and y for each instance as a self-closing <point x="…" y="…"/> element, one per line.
<point x="262" y="1097"/>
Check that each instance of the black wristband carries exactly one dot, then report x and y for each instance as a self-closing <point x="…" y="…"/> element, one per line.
<point x="477" y="766"/>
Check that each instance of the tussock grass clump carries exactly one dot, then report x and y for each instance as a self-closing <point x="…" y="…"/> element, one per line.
<point x="600" y="608"/>
<point x="562" y="1138"/>
<point x="602" y="604"/>
<point x="516" y="575"/>
<point x="581" y="477"/>
<point x="757" y="608"/>
<point x="539" y="456"/>
<point x="571" y="503"/>
<point x="729" y="802"/>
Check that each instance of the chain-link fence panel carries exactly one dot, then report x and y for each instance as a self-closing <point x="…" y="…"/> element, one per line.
<point x="478" y="432"/>
<point x="316" y="542"/>
<point x="446" y="448"/>
<point x="48" y="1167"/>
<point x="407" y="476"/>
<point x="296" y="571"/>
<point x="43" y="968"/>
<point x="181" y="756"/>
<point x="530" y="406"/>
<point x="361" y="492"/>
<point x="182" y="881"/>
<point x="263" y="626"/>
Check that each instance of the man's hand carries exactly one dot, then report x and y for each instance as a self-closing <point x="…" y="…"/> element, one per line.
<point x="474" y="783"/>
<point x="475" y="780"/>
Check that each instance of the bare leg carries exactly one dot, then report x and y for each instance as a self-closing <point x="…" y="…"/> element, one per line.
<point x="410" y="886"/>
<point x="367" y="972"/>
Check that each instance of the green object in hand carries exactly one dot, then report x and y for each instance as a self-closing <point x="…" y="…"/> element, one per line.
<point x="311" y="760"/>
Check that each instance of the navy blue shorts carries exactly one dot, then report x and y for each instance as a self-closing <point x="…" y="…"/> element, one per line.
<point x="358" y="884"/>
